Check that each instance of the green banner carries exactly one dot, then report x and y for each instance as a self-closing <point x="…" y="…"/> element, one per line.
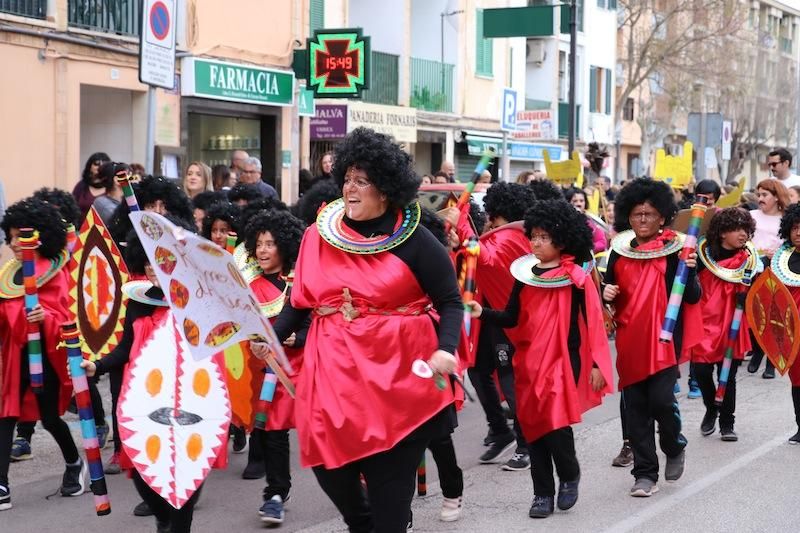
<point x="238" y="83"/>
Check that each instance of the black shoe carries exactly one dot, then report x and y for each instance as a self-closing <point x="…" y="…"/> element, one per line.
<point x="74" y="481"/>
<point x="567" y="494"/>
<point x="239" y="439"/>
<point x="753" y="365"/>
<point x="5" y="498"/>
<point x="674" y="467"/>
<point x="501" y="445"/>
<point x="707" y="426"/>
<point x="795" y="439"/>
<point x="542" y="507"/>
<point x="728" y="434"/>
<point x="163" y="527"/>
<point x="769" y="372"/>
<point x="142" y="510"/>
<point x="254" y="470"/>
<point x="490" y="437"/>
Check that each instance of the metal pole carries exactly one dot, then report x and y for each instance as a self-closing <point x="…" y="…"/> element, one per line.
<point x="796" y="159"/>
<point x="505" y="162"/>
<point x="441" y="50"/>
<point x="149" y="164"/>
<point x="573" y="55"/>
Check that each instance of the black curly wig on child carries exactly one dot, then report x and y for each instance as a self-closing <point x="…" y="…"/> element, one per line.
<point x="725" y="220"/>
<point x="224" y="211"/>
<point x="568" y="229"/>
<point x="286" y="229"/>
<point x="245" y="193"/>
<point x="545" y="190"/>
<point x="387" y="166"/>
<point x="63" y="201"/>
<point x="508" y="200"/>
<point x="265" y="203"/>
<point x="430" y="220"/>
<point x="790" y="218"/>
<point x="639" y="191"/>
<point x="478" y="216"/>
<point x="41" y="216"/>
<point x="322" y="192"/>
<point x="205" y="199"/>
<point x="148" y="191"/>
<point x="133" y="251"/>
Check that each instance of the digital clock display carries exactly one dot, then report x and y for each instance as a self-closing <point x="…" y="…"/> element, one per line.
<point x="338" y="63"/>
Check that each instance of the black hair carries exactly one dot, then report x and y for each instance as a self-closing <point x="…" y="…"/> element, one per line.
<point x="220" y="175"/>
<point x="148" y="191"/>
<point x="64" y="202"/>
<point x="572" y="191"/>
<point x="435" y="225"/>
<point x="477" y="215"/>
<point x="108" y="173"/>
<point x="87" y="169"/>
<point x="790" y="218"/>
<point x="783" y="154"/>
<point x="508" y="200"/>
<point x="41" y="216"/>
<point x="387" y="166"/>
<point x="725" y="220"/>
<point x="244" y="191"/>
<point x="567" y="227"/>
<point x="133" y="251"/>
<point x="545" y="190"/>
<point x="285" y="228"/>
<point x="225" y="211"/>
<point x="203" y="200"/>
<point x="638" y="191"/>
<point x="708" y="187"/>
<point x="323" y="191"/>
<point x="265" y="203"/>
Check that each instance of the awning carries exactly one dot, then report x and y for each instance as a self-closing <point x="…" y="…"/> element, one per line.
<point x="477" y="143"/>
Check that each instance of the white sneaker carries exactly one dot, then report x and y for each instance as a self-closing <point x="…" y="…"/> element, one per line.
<point x="451" y="509"/>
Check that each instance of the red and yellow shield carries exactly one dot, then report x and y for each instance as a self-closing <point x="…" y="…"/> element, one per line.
<point x="774" y="320"/>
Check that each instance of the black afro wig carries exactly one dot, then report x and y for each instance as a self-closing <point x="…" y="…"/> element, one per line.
<point x="430" y="220"/>
<point x="478" y="216"/>
<point x="133" y="251"/>
<point x="568" y="229"/>
<point x="791" y="217"/>
<point x="387" y="166"/>
<point x="226" y="211"/>
<point x="545" y="190"/>
<point x="725" y="220"/>
<point x="41" y="216"/>
<point x="244" y="192"/>
<point x="63" y="201"/>
<point x="508" y="200"/>
<point x="639" y="191"/>
<point x="322" y="192"/>
<point x="286" y="229"/>
<point x="204" y="199"/>
<point x="255" y="207"/>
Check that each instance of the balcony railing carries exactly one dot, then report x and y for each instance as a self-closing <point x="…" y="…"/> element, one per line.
<point x="27" y="8"/>
<point x="431" y="85"/>
<point x="384" y="79"/>
<point x="121" y="17"/>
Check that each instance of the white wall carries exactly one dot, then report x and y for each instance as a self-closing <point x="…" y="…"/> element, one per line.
<point x="107" y="123"/>
<point x="426" y="30"/>
<point x="383" y="22"/>
<point x="600" y="51"/>
<point x="541" y="81"/>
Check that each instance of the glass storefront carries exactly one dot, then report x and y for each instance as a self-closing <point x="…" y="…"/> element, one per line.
<point x="212" y="137"/>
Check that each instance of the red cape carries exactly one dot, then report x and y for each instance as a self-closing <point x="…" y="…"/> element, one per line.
<point x="53" y="297"/>
<point x="718" y="305"/>
<point x="547" y="395"/>
<point x="357" y="395"/>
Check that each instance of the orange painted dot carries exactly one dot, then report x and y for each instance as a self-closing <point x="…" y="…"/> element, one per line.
<point x="153" y="447"/>
<point x="153" y="382"/>
<point x="194" y="446"/>
<point x="201" y="382"/>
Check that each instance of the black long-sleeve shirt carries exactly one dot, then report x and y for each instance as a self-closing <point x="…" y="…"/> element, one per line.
<point x="300" y="335"/>
<point x="430" y="264"/>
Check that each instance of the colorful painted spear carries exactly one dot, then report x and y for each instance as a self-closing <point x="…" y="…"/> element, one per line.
<point x="123" y="180"/>
<point x="29" y="242"/>
<point x="472" y="249"/>
<point x="483" y="164"/>
<point x="733" y="335"/>
<point x="71" y="338"/>
<point x="682" y="273"/>
<point x="230" y="242"/>
<point x="422" y="482"/>
<point x="265" y="398"/>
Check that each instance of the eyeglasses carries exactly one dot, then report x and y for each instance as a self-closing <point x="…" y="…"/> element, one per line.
<point x="249" y="172"/>
<point x="543" y="238"/>
<point x="359" y="183"/>
<point x="647" y="217"/>
<point x="774" y="163"/>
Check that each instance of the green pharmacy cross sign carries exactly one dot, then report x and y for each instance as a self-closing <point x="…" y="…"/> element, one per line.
<point x="338" y="63"/>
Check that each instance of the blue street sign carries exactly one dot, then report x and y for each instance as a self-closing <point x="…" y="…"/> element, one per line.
<point x="508" y="121"/>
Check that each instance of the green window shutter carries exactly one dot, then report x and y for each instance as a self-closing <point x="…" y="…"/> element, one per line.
<point x="316" y="15"/>
<point x="483" y="48"/>
<point x="607" y="75"/>
<point x="593" y="90"/>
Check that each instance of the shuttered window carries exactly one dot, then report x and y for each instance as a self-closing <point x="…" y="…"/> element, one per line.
<point x="483" y="48"/>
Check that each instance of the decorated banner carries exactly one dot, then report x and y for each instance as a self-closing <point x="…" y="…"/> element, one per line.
<point x="564" y="173"/>
<point x="174" y="414"/>
<point x="733" y="198"/>
<point x="774" y="321"/>
<point x="97" y="274"/>
<point x="674" y="170"/>
<point x="211" y="301"/>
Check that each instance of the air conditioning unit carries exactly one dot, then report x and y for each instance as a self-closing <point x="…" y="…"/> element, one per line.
<point x="535" y="52"/>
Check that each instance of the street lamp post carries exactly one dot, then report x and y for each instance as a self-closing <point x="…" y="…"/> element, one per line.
<point x="573" y="55"/>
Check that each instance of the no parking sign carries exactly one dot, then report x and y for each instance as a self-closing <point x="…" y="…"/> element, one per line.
<point x="157" y="44"/>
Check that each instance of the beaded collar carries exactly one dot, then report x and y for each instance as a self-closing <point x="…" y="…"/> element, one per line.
<point x="137" y="291"/>
<point x="10" y="289"/>
<point x="247" y="265"/>
<point x="780" y="266"/>
<point x="731" y="275"/>
<point x="522" y="270"/>
<point x="332" y="229"/>
<point x="621" y="244"/>
<point x="273" y="308"/>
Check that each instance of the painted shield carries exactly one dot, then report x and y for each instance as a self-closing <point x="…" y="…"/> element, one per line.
<point x="97" y="273"/>
<point x="244" y="376"/>
<point x="174" y="414"/>
<point x="774" y="320"/>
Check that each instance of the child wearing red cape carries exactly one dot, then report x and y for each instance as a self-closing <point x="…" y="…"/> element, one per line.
<point x="562" y="367"/>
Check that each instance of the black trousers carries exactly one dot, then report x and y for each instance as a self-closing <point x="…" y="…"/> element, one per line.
<point x="115" y="385"/>
<point x="274" y="447"/>
<point x="758" y="354"/>
<point x="795" y="401"/>
<point x="180" y="520"/>
<point x="451" y="478"/>
<point x="704" y="373"/>
<point x="647" y="402"/>
<point x="622" y="417"/>
<point x="556" y="447"/>
<point x="390" y="477"/>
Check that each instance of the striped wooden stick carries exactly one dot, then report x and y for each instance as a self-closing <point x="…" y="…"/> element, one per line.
<point x="422" y="483"/>
<point x="29" y="242"/>
<point x="733" y="335"/>
<point x="130" y="198"/>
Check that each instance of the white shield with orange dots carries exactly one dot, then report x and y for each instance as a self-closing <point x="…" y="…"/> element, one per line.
<point x="174" y="414"/>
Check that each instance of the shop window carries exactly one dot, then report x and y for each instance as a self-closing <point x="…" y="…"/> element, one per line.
<point x="628" y="110"/>
<point x="212" y="138"/>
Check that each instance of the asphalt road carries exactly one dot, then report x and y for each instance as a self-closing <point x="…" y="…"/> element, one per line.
<point x="750" y="485"/>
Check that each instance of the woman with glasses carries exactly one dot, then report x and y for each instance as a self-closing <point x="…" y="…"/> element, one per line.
<point x="641" y="268"/>
<point x="375" y="284"/>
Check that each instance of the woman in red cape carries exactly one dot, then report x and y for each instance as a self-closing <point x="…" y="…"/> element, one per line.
<point x="562" y="367"/>
<point x="17" y="401"/>
<point x="272" y="238"/>
<point x="369" y="276"/>
<point x="639" y="276"/>
<point x="725" y="256"/>
<point x="786" y="265"/>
